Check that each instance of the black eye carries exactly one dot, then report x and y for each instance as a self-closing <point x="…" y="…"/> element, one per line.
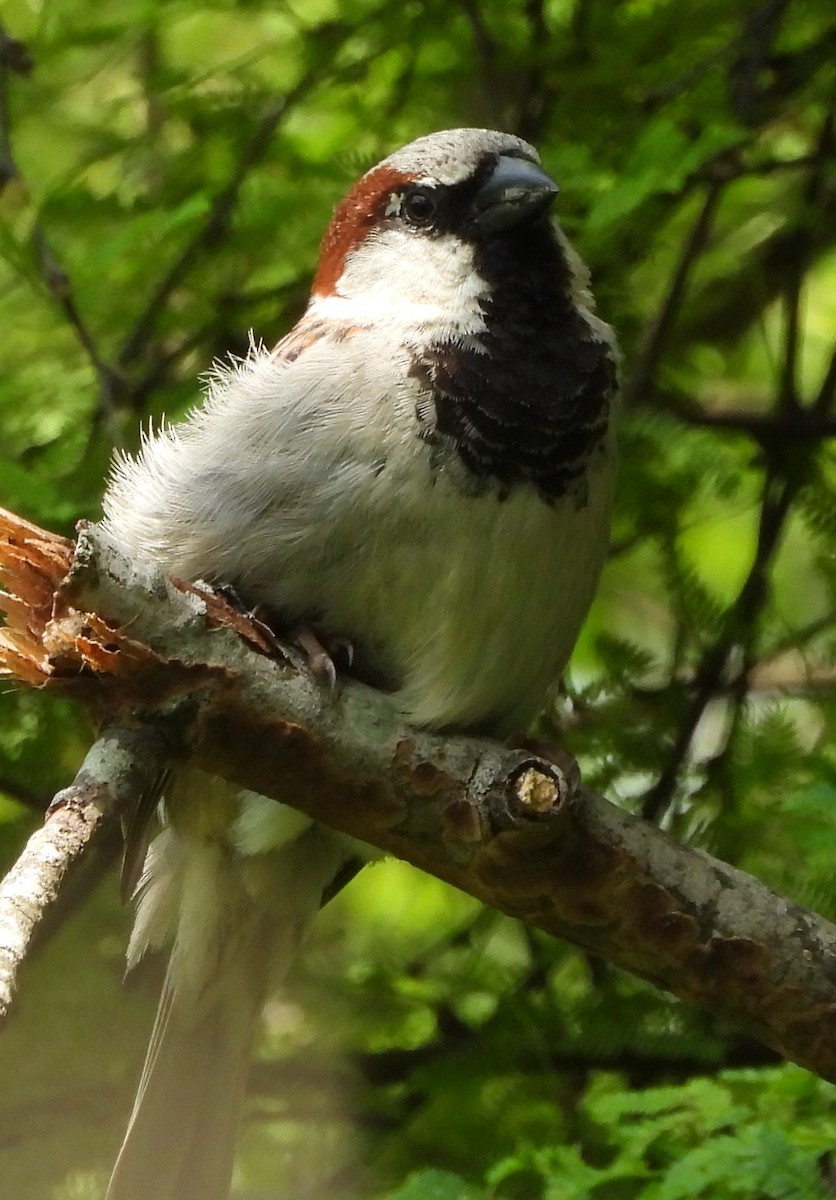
<point x="419" y="206"/>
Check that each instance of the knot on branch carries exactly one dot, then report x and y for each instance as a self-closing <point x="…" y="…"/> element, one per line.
<point x="538" y="789"/>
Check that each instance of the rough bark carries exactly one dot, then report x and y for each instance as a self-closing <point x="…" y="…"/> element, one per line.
<point x="503" y="825"/>
<point x="120" y="764"/>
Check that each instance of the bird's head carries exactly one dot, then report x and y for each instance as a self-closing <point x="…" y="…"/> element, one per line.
<point x="417" y="232"/>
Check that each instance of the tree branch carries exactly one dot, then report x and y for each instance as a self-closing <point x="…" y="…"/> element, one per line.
<point x="501" y="824"/>
<point x="120" y="764"/>
<point x="642" y="377"/>
<point x="736" y="634"/>
<point x="15" y="56"/>
<point x="769" y="430"/>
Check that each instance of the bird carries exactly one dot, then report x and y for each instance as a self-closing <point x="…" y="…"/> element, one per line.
<point x="423" y="469"/>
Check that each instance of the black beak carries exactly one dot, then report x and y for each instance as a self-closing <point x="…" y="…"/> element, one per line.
<point x="516" y="190"/>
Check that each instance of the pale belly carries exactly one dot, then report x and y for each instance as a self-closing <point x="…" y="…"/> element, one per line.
<point x="475" y="609"/>
<point x="467" y="606"/>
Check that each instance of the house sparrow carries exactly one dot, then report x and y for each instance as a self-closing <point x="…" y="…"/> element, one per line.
<point x="423" y="466"/>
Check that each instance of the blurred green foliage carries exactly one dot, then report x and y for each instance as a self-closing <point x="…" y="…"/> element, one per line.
<point x="166" y="170"/>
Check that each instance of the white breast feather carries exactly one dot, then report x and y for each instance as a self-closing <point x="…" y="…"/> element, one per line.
<point x="329" y="510"/>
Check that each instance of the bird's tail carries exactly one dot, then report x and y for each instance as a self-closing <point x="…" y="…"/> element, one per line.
<point x="237" y="919"/>
<point x="180" y="1142"/>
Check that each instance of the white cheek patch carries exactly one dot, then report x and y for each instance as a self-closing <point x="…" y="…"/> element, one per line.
<point x="399" y="277"/>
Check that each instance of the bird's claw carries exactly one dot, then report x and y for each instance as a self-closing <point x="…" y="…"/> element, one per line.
<point x="320" y="653"/>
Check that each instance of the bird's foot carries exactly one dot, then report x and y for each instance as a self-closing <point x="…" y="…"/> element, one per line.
<point x="323" y="652"/>
<point x="319" y="652"/>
